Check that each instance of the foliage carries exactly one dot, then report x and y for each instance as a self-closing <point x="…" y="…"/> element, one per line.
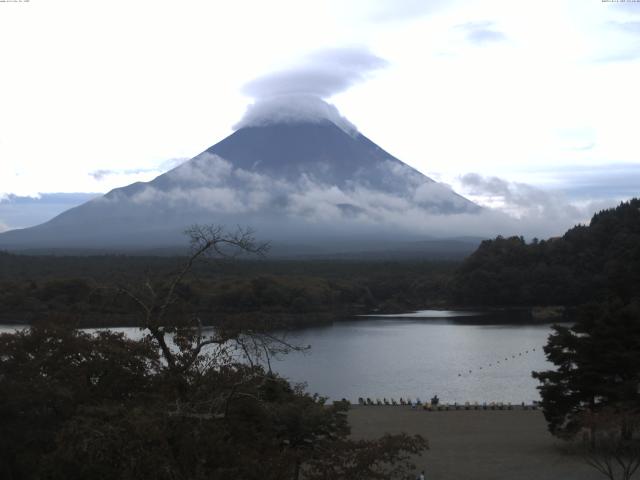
<point x="385" y="458"/>
<point x="52" y="372"/>
<point x="587" y="263"/>
<point x="288" y="291"/>
<point x="597" y="366"/>
<point x="180" y="403"/>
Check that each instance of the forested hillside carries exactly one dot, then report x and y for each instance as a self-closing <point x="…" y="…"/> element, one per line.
<point x="588" y="263"/>
<point x="33" y="287"/>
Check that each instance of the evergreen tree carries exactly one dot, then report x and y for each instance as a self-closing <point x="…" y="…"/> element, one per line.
<point x="597" y="366"/>
<point x="588" y="263"/>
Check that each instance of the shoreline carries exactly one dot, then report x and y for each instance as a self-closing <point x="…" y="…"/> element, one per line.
<point x="477" y="444"/>
<point x="297" y="321"/>
<point x="454" y="407"/>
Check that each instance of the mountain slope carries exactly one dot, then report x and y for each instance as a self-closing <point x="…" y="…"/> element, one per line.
<point x="292" y="182"/>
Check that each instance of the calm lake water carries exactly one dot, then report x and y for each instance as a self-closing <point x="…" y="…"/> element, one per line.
<point x="451" y="354"/>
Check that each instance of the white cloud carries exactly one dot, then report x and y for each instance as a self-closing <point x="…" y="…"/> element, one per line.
<point x="321" y="74"/>
<point x="537" y="210"/>
<point x="205" y="169"/>
<point x="441" y="104"/>
<point x="293" y="109"/>
<point x="482" y="33"/>
<point x="438" y="194"/>
<point x="213" y="185"/>
<point x="104" y="174"/>
<point x="296" y="94"/>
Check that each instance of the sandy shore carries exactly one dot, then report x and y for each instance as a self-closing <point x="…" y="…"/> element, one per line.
<point x="477" y="445"/>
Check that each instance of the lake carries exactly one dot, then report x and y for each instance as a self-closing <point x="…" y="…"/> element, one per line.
<point x="456" y="355"/>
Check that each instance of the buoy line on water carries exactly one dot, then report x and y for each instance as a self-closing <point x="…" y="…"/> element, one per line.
<point x="500" y="362"/>
<point x="417" y="403"/>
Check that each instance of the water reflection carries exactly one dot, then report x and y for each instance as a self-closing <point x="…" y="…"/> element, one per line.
<point x="414" y="355"/>
<point x="393" y="357"/>
<point x="428" y="314"/>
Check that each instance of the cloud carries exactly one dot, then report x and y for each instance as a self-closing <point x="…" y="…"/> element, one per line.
<point x="25" y="211"/>
<point x="630" y="6"/>
<point x="625" y="45"/>
<point x="517" y="199"/>
<point x="536" y="209"/>
<point x="322" y="74"/>
<point x="627" y="55"/>
<point x="481" y="33"/>
<point x="629" y="27"/>
<point x="210" y="184"/>
<point x="296" y="94"/>
<point x="616" y="181"/>
<point x="102" y="174"/>
<point x="394" y="10"/>
<point x="290" y="109"/>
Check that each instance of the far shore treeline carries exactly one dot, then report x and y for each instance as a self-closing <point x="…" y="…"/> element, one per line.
<point x="588" y="263"/>
<point x="299" y="291"/>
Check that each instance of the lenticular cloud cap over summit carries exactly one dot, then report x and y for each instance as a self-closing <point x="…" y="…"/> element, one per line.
<point x="292" y="109"/>
<point x="321" y="74"/>
<point x="296" y="95"/>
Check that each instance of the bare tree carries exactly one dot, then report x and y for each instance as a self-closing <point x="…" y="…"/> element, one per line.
<point x="611" y="443"/>
<point x="180" y="336"/>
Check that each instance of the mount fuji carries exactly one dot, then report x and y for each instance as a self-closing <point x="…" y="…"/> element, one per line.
<point x="295" y="179"/>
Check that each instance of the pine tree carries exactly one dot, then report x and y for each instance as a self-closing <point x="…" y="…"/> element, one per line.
<point x="597" y="366"/>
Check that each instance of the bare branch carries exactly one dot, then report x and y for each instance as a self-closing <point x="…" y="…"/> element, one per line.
<point x="205" y="240"/>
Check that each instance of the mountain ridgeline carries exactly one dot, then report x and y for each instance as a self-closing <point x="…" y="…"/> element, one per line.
<point x="294" y="183"/>
<point x="595" y="262"/>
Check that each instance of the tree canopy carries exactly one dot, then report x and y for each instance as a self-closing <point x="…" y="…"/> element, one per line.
<point x="597" y="366"/>
<point x="589" y="262"/>
<point x="180" y="403"/>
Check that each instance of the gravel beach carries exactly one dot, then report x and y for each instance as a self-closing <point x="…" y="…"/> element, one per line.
<point x="477" y="444"/>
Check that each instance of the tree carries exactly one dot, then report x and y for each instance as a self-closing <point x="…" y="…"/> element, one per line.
<point x="181" y="403"/>
<point x="588" y="263"/>
<point x="51" y="373"/>
<point x="611" y="443"/>
<point x="594" y="394"/>
<point x="597" y="366"/>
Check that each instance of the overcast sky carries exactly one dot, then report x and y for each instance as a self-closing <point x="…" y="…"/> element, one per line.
<point x="541" y="94"/>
